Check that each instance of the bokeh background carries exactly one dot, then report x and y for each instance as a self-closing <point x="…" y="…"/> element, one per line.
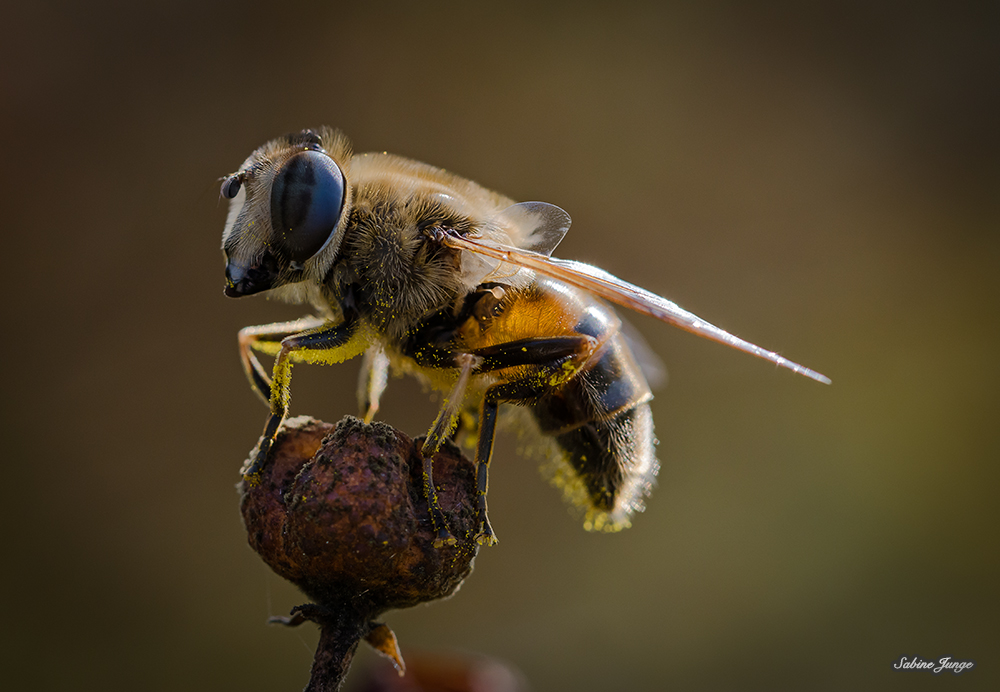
<point x="823" y="181"/>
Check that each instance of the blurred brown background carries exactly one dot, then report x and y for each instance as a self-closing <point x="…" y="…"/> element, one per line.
<point x="822" y="181"/>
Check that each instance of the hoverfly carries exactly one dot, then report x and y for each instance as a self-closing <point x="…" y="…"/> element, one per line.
<point x="429" y="273"/>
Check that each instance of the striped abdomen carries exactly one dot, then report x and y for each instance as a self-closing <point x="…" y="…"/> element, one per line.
<point x="600" y="419"/>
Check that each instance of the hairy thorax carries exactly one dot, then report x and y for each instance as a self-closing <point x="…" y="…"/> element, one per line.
<point x="398" y="275"/>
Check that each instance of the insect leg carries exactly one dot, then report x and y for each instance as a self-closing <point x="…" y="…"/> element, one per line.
<point x="372" y="381"/>
<point x="266" y="338"/>
<point x="546" y="352"/>
<point x="440" y="430"/>
<point x="557" y="358"/>
<point x="328" y="343"/>
<point x="484" y="451"/>
<point x="525" y="390"/>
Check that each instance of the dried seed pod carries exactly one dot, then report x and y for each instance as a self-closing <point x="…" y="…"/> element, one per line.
<point x="341" y="513"/>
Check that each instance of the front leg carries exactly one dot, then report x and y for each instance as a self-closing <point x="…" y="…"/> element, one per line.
<point x="266" y="338"/>
<point x="327" y="344"/>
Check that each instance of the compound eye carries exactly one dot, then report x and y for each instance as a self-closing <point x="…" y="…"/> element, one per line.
<point x="231" y="186"/>
<point x="307" y="196"/>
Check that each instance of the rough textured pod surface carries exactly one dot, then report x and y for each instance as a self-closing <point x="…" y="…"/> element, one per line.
<point x="340" y="512"/>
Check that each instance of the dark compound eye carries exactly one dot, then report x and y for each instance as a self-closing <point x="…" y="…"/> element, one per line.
<point x="231" y="186"/>
<point x="307" y="196"/>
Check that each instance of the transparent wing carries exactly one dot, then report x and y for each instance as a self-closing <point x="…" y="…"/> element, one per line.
<point x="542" y="225"/>
<point x="535" y="226"/>
<point x="613" y="289"/>
<point x="653" y="368"/>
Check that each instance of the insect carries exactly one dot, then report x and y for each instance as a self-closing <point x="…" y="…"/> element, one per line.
<point x="418" y="269"/>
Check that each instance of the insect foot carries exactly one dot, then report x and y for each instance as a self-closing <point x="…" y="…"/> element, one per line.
<point x="340" y="512"/>
<point x="485" y="535"/>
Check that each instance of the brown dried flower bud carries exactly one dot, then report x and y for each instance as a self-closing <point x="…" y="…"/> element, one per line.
<point x="341" y="513"/>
